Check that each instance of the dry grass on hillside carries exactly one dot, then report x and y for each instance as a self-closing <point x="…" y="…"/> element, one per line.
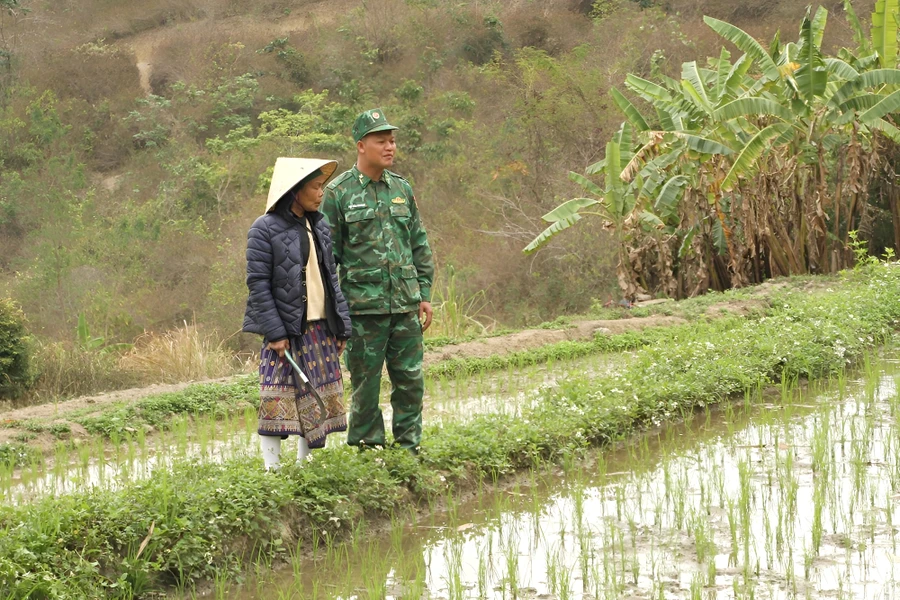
<point x="762" y="18"/>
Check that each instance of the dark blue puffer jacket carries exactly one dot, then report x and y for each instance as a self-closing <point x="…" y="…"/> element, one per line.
<point x="277" y="252"/>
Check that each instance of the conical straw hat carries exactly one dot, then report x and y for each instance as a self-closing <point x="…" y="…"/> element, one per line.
<point x="291" y="171"/>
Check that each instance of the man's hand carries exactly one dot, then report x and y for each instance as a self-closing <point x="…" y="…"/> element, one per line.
<point x="341" y="344"/>
<point x="280" y="346"/>
<point x="425" y="314"/>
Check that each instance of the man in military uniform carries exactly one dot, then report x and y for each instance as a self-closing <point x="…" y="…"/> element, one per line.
<point x="386" y="272"/>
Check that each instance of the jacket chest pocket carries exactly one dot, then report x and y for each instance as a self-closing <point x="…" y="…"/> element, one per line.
<point x="400" y="215"/>
<point x="361" y="225"/>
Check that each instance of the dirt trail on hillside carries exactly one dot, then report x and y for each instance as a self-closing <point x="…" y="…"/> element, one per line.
<point x="145" y="44"/>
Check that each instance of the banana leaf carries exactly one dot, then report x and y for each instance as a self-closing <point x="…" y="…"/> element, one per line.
<point x="747" y="44"/>
<point x="587" y="184"/>
<point x="818" y="25"/>
<point x="633" y="115"/>
<point x="886" y="105"/>
<point x="695" y="87"/>
<point x="811" y="77"/>
<point x="647" y="90"/>
<point x="702" y="144"/>
<point x="884" y="31"/>
<point x="859" y="36"/>
<point x="745" y="164"/>
<point x="743" y="107"/>
<point x="866" y="79"/>
<point x="840" y="69"/>
<point x="666" y="204"/>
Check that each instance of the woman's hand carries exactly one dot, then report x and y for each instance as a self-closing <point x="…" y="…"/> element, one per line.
<point x="280" y="346"/>
<point x="341" y="344"/>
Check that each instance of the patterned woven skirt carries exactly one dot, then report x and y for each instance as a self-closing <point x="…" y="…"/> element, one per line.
<point x="281" y="411"/>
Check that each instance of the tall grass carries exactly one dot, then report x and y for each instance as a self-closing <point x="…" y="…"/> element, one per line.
<point x="67" y="369"/>
<point x="457" y="314"/>
<point x="182" y="354"/>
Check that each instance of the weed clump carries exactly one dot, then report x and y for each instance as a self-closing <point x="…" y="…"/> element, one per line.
<point x="17" y="455"/>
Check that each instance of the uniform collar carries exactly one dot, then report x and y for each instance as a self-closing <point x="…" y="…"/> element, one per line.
<point x="364" y="179"/>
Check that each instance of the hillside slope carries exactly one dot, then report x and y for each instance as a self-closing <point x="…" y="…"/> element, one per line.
<point x="136" y="139"/>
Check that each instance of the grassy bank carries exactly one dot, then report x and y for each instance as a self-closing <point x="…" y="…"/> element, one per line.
<point x="550" y="353"/>
<point x="200" y="521"/>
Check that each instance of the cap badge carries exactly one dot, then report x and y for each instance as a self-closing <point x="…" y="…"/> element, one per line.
<point x="376" y="116"/>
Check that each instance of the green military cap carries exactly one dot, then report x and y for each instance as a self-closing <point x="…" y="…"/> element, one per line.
<point x="370" y="122"/>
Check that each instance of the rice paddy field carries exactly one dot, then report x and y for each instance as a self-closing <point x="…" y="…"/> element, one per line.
<point x="745" y="456"/>
<point x="781" y="496"/>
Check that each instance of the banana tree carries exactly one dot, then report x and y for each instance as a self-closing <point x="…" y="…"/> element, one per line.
<point x="745" y="162"/>
<point x="615" y="203"/>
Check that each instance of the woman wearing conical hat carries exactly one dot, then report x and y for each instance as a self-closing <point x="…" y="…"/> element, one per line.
<point x="296" y="304"/>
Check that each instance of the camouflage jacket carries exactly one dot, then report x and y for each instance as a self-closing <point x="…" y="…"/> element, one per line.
<point x="385" y="262"/>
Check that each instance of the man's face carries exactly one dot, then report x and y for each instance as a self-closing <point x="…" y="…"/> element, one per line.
<point x="377" y="149"/>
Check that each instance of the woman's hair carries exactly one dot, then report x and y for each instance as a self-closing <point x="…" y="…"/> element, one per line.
<point x="307" y="179"/>
<point x="288" y="197"/>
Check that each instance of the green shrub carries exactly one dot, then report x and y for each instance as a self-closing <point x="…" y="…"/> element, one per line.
<point x="297" y="67"/>
<point x="15" y="355"/>
<point x="480" y="46"/>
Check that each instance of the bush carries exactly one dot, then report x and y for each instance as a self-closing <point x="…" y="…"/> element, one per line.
<point x="15" y="354"/>
<point x="483" y="42"/>
<point x="297" y="68"/>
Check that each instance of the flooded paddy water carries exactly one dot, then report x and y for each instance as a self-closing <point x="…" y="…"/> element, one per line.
<point x="107" y="464"/>
<point x="789" y="496"/>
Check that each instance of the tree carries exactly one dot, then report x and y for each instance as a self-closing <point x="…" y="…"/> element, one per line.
<point x="15" y="353"/>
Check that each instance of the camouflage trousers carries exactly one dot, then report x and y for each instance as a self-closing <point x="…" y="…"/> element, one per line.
<point x="396" y="340"/>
